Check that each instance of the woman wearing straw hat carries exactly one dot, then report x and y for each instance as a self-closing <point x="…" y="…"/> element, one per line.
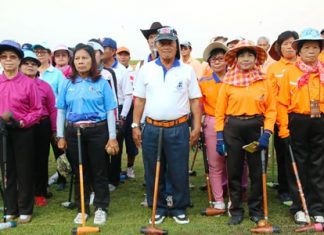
<point x="285" y="56"/>
<point x="300" y="116"/>
<point x="245" y="104"/>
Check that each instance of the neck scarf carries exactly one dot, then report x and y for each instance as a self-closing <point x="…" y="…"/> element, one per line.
<point x="307" y="70"/>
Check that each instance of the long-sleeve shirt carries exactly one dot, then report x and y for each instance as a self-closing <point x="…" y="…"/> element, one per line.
<point x="292" y="99"/>
<point x="255" y="99"/>
<point x="54" y="78"/>
<point x="47" y="98"/>
<point x="19" y="96"/>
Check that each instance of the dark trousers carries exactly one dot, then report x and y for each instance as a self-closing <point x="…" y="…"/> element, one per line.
<point x="57" y="152"/>
<point x="131" y="148"/>
<point x="307" y="135"/>
<point x="19" y="193"/>
<point x="282" y="162"/>
<point x="174" y="166"/>
<point x="95" y="164"/>
<point x="238" y="133"/>
<point x="42" y="146"/>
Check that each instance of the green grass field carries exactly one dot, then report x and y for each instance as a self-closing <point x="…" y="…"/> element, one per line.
<point x="126" y="216"/>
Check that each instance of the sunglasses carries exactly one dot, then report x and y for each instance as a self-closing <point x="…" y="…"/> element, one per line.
<point x="10" y="57"/>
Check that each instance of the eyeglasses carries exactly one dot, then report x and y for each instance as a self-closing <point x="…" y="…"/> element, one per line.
<point x="40" y="52"/>
<point x="10" y="57"/>
<point x="29" y="63"/>
<point x="215" y="58"/>
<point x="184" y="48"/>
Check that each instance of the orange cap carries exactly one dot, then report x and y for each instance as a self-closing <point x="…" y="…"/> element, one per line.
<point x="121" y="49"/>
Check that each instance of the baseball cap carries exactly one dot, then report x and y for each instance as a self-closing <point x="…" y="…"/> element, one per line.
<point x="166" y="33"/>
<point x="123" y="49"/>
<point x="109" y="42"/>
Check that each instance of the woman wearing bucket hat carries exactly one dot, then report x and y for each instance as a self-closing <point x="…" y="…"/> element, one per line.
<point x="44" y="129"/>
<point x="20" y="108"/>
<point x="300" y="116"/>
<point x="210" y="84"/>
<point x="245" y="104"/>
<point x="285" y="56"/>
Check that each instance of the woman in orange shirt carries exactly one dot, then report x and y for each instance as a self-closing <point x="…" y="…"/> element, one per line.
<point x="245" y="104"/>
<point x="209" y="86"/>
<point x="285" y="56"/>
<point x="301" y="123"/>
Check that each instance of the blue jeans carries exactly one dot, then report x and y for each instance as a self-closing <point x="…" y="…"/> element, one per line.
<point x="174" y="166"/>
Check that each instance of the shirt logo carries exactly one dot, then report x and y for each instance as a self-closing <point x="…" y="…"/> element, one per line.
<point x="180" y="86"/>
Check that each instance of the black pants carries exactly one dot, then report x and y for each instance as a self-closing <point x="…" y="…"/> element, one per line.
<point x="238" y="133"/>
<point x="307" y="135"/>
<point x="282" y="162"/>
<point x="19" y="193"/>
<point x="42" y="146"/>
<point x="57" y="152"/>
<point x="131" y="148"/>
<point x="95" y="164"/>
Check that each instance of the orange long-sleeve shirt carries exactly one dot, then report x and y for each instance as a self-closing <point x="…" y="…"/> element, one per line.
<point x="276" y="73"/>
<point x="321" y="56"/>
<point x="257" y="98"/>
<point x="292" y="99"/>
<point x="209" y="89"/>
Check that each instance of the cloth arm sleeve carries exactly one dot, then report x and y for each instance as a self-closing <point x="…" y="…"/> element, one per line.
<point x="111" y="121"/>
<point x="60" y="120"/>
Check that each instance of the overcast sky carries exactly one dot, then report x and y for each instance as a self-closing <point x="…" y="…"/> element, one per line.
<point x="74" y="21"/>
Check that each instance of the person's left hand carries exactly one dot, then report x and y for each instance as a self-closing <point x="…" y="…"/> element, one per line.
<point x="264" y="140"/>
<point x="112" y="147"/>
<point x="194" y="136"/>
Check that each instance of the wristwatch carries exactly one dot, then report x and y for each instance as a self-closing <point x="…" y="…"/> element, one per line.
<point x="134" y="125"/>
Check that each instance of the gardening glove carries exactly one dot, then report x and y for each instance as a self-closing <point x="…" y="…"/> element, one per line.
<point x="264" y="140"/>
<point x="220" y="146"/>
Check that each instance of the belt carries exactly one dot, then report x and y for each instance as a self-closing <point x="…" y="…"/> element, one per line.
<point x="167" y="123"/>
<point x="86" y="124"/>
<point x="246" y="117"/>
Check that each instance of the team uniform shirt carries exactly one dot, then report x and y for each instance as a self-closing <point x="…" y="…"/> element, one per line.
<point x="209" y="87"/>
<point x="19" y="96"/>
<point x="276" y="73"/>
<point x="167" y="92"/>
<point x="294" y="99"/>
<point x="47" y="98"/>
<point x="321" y="57"/>
<point x="255" y="99"/>
<point x="106" y="74"/>
<point x="196" y="65"/>
<point x="54" y="78"/>
<point x="266" y="64"/>
<point x="86" y="100"/>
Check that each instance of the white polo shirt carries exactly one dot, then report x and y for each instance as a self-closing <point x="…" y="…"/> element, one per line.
<point x="167" y="92"/>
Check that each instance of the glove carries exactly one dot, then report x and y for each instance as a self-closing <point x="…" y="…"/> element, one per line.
<point x="264" y="140"/>
<point x="220" y="146"/>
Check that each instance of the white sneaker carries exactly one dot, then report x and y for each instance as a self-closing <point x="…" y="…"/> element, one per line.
<point x="181" y="219"/>
<point x="219" y="205"/>
<point x="92" y="196"/>
<point x="78" y="218"/>
<point x="53" y="179"/>
<point x="318" y="219"/>
<point x="100" y="217"/>
<point x="130" y="172"/>
<point x="111" y="187"/>
<point x="300" y="217"/>
<point x="144" y="202"/>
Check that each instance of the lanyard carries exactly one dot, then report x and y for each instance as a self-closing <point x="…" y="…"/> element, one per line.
<point x="216" y="78"/>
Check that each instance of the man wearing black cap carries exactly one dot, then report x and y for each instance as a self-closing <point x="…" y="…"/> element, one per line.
<point x="169" y="91"/>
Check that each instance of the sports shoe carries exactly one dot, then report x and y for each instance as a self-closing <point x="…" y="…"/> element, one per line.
<point x="235" y="220"/>
<point x="300" y="218"/>
<point x="24" y="219"/>
<point x="181" y="219"/>
<point x="285" y="199"/>
<point x="130" y="172"/>
<point x="111" y="187"/>
<point x="100" y="217"/>
<point x="11" y="217"/>
<point x="158" y="219"/>
<point x="92" y="196"/>
<point x="40" y="201"/>
<point x="78" y="218"/>
<point x="318" y="219"/>
<point x="53" y="178"/>
<point x="219" y="205"/>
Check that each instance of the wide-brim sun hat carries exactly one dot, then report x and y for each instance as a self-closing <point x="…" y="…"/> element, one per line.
<point x="273" y="52"/>
<point x="153" y="29"/>
<point x="29" y="55"/>
<point x="261" y="54"/>
<point x="11" y="45"/>
<point x="308" y="34"/>
<point x="211" y="47"/>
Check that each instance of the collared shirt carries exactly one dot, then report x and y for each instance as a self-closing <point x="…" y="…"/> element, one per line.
<point x="196" y="65"/>
<point x="86" y="100"/>
<point x="255" y="99"/>
<point x="19" y="96"/>
<point x="167" y="92"/>
<point x="54" y="78"/>
<point x="47" y="98"/>
<point x="276" y="73"/>
<point x="292" y="99"/>
<point x="209" y="88"/>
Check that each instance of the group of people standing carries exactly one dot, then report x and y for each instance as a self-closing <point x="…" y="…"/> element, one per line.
<point x="93" y="94"/>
